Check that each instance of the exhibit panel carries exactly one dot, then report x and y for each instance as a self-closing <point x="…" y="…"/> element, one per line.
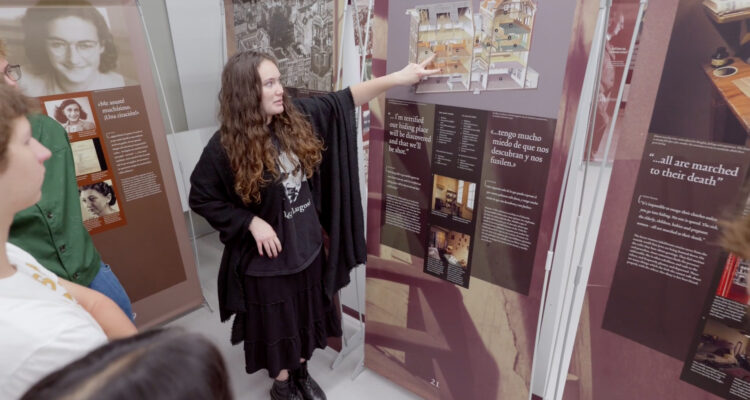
<point x="464" y="176"/>
<point x="109" y="108"/>
<point x="662" y="294"/>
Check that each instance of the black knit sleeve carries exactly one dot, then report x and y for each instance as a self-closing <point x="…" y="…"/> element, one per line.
<point x="212" y="195"/>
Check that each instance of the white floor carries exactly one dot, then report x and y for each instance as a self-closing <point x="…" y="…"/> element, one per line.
<point x="336" y="383"/>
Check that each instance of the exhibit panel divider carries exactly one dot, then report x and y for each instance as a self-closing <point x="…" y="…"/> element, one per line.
<point x="119" y="143"/>
<point x="613" y="52"/>
<point x="465" y="171"/>
<point x="664" y="314"/>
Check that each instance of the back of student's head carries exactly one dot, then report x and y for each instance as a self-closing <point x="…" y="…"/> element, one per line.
<point x="160" y="364"/>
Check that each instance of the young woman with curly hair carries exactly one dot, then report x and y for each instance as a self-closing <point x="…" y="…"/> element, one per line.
<point x="261" y="182"/>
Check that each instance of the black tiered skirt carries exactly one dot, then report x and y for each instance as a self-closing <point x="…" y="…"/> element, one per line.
<point x="287" y="318"/>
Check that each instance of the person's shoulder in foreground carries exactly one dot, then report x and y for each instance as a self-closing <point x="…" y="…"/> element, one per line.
<point x="45" y="321"/>
<point x="41" y="324"/>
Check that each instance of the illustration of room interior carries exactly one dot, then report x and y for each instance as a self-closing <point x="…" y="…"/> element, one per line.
<point x="453" y="197"/>
<point x="449" y="246"/>
<point x="476" y="52"/>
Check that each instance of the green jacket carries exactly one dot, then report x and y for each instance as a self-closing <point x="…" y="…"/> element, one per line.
<point x="52" y="230"/>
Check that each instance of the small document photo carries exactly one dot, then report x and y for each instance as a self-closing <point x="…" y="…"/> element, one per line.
<point x="88" y="157"/>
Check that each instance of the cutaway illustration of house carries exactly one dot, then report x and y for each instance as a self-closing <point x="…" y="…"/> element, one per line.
<point x="446" y="30"/>
<point x="476" y="52"/>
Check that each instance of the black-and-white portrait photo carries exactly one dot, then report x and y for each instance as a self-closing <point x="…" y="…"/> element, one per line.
<point x="74" y="114"/>
<point x="98" y="200"/>
<point x="300" y="34"/>
<point x="69" y="48"/>
<point x="291" y="176"/>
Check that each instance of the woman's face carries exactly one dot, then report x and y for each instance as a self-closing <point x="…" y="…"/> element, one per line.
<point x="24" y="169"/>
<point x="272" y="99"/>
<point x="73" y="49"/>
<point x="95" y="202"/>
<point x="72" y="112"/>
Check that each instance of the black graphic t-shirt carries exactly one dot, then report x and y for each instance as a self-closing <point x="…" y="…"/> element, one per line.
<point x="297" y="225"/>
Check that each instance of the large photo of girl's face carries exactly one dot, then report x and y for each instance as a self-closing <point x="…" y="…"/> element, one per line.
<point x="69" y="48"/>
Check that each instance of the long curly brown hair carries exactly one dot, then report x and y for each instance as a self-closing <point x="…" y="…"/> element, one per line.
<point x="246" y="137"/>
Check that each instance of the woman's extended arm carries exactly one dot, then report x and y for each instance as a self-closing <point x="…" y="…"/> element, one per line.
<point x="409" y="75"/>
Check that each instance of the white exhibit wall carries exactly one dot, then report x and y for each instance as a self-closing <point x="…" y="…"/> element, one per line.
<point x="157" y="28"/>
<point x="198" y="40"/>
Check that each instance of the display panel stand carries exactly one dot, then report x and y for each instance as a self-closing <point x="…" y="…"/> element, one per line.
<point x="583" y="266"/>
<point x="160" y="84"/>
<point x="352" y="17"/>
<point x="556" y="266"/>
<point x="363" y="63"/>
<point x="570" y="299"/>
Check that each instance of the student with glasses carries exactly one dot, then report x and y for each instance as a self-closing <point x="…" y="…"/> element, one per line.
<point x="12" y="71"/>
<point x="70" y="48"/>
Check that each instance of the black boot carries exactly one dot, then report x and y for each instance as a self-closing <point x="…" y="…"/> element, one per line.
<point x="307" y="386"/>
<point x="285" y="390"/>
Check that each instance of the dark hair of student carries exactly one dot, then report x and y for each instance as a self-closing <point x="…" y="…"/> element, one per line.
<point x="164" y="364"/>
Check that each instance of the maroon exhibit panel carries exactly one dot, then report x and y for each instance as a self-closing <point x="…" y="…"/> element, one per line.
<point x="465" y="170"/>
<point x="118" y="142"/>
<point x="664" y="313"/>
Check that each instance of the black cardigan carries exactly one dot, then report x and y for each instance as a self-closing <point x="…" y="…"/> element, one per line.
<point x="335" y="189"/>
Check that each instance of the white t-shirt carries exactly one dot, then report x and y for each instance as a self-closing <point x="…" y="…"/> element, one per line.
<point x="42" y="327"/>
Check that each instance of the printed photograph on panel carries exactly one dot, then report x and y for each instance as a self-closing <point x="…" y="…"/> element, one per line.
<point x="722" y="353"/>
<point x="300" y="34"/>
<point x="69" y="49"/>
<point x="476" y="50"/>
<point x="74" y="113"/>
<point x="453" y="197"/>
<point x="88" y="156"/>
<point x="449" y="246"/>
<point x="734" y="280"/>
<point x="98" y="200"/>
